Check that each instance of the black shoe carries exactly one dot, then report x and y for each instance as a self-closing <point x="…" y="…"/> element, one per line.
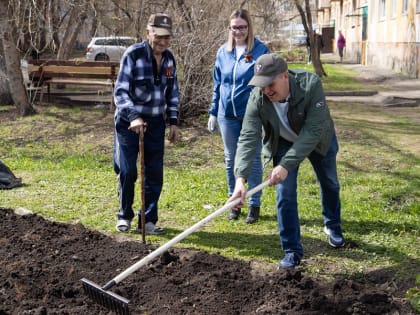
<point x="253" y="214"/>
<point x="234" y="214"/>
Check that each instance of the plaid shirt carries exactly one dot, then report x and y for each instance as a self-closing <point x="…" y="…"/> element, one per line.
<point x="141" y="91"/>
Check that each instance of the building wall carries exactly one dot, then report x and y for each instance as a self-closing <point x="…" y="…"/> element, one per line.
<point x="350" y="23"/>
<point x="392" y="37"/>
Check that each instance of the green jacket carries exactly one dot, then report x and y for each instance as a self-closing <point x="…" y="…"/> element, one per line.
<point x="308" y="116"/>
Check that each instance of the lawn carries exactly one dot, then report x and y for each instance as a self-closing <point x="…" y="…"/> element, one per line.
<point x="64" y="157"/>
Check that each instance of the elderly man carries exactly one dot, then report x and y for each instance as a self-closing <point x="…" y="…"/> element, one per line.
<point x="146" y="93"/>
<point x="288" y="109"/>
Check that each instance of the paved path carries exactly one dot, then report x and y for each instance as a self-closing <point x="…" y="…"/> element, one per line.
<point x="397" y="89"/>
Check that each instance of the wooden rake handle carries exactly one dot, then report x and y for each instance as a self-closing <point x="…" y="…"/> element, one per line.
<point x="182" y="235"/>
<point x="142" y="193"/>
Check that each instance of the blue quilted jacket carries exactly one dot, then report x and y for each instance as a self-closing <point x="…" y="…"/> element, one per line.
<point x="231" y="90"/>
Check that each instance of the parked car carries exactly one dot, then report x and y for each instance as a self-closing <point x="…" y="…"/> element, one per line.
<point x="298" y="40"/>
<point x="108" y="48"/>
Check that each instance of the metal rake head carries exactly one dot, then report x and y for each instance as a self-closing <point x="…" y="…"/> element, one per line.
<point x="108" y="299"/>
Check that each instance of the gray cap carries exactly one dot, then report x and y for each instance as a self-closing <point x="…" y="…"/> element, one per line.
<point x="160" y="24"/>
<point x="266" y="68"/>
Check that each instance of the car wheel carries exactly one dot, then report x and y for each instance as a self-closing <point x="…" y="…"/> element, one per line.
<point x="102" y="57"/>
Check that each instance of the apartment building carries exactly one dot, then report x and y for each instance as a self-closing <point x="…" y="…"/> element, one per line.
<point x="384" y="33"/>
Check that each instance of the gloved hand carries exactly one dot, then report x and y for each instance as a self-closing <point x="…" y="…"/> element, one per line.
<point x="212" y="124"/>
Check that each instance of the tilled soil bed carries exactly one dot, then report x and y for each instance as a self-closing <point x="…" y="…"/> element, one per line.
<point x="42" y="263"/>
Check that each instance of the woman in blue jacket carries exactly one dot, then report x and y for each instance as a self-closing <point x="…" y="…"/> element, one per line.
<point x="233" y="69"/>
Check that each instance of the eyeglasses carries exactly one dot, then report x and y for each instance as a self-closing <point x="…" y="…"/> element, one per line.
<point x="238" y="28"/>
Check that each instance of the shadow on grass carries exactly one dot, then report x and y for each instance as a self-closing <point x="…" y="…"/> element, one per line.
<point x="266" y="246"/>
<point x="367" y="136"/>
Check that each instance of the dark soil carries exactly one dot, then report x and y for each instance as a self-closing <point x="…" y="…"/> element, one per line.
<point x="42" y="263"/>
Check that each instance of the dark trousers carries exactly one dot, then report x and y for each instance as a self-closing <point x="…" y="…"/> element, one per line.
<point x="126" y="149"/>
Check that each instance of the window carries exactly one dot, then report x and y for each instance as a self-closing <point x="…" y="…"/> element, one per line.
<point x="372" y="8"/>
<point x="405" y="6"/>
<point x="127" y="42"/>
<point x="382" y="9"/>
<point x="110" y="42"/>
<point x="418" y="6"/>
<point x="393" y="6"/>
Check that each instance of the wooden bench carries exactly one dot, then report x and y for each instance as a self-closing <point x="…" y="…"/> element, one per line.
<point x="63" y="72"/>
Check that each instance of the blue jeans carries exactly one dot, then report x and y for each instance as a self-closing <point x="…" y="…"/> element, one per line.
<point x="325" y="168"/>
<point x="126" y="149"/>
<point x="230" y="129"/>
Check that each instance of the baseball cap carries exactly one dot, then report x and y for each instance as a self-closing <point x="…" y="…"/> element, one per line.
<point x="160" y="24"/>
<point x="266" y="68"/>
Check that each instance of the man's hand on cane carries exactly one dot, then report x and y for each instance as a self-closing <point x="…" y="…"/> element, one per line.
<point x="138" y="126"/>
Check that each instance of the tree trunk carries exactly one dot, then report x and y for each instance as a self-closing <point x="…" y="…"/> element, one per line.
<point x="11" y="62"/>
<point x="76" y="30"/>
<point x="63" y="50"/>
<point x="76" y="19"/>
<point x="316" y="60"/>
<point x="5" y="96"/>
<point x="306" y="16"/>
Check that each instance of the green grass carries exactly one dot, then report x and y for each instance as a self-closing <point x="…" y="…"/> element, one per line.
<point x="64" y="157"/>
<point x="337" y="79"/>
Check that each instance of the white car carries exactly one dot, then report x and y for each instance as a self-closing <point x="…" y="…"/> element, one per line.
<point x="108" y="48"/>
<point x="298" y="40"/>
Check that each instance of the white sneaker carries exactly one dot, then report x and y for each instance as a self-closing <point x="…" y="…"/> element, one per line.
<point x="123" y="225"/>
<point x="152" y="229"/>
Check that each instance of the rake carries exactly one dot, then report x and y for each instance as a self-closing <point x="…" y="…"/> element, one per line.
<point x="119" y="304"/>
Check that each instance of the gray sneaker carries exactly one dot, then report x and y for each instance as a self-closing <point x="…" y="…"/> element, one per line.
<point x="152" y="229"/>
<point x="335" y="236"/>
<point x="290" y="260"/>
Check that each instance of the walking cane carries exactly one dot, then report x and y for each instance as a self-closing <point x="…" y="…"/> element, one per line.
<point x="143" y="209"/>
